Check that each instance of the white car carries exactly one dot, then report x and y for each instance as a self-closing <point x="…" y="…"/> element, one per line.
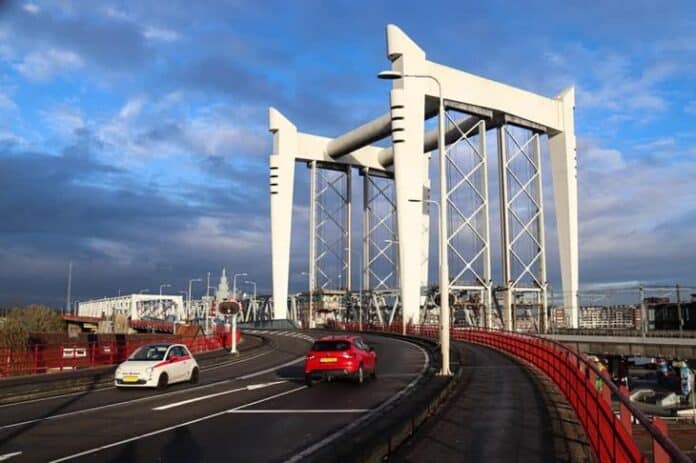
<point x="157" y="365"/>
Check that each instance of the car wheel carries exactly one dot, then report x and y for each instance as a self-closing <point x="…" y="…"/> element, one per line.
<point x="162" y="381"/>
<point x="373" y="374"/>
<point x="194" y="376"/>
<point x="308" y="379"/>
<point x="360" y="375"/>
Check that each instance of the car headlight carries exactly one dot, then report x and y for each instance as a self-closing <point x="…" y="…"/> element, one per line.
<point x="148" y="370"/>
<point x="118" y="371"/>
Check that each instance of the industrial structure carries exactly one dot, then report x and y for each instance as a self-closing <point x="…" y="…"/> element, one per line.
<point x="397" y="184"/>
<point x="135" y="307"/>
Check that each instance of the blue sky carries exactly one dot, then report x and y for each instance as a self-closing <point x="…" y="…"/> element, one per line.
<point x="133" y="135"/>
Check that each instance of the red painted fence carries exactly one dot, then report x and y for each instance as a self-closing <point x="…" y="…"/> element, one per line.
<point x="610" y="436"/>
<point x="48" y="358"/>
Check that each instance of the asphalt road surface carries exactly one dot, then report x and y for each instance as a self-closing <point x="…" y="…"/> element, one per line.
<point x="254" y="409"/>
<point x="499" y="414"/>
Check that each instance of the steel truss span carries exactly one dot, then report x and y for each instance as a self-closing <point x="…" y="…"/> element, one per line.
<point x="473" y="108"/>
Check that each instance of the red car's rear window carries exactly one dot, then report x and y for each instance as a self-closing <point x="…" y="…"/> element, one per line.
<point x="330" y="345"/>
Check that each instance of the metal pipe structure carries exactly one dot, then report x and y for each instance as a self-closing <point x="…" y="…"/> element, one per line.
<point x="234" y="282"/>
<point x="431" y="139"/>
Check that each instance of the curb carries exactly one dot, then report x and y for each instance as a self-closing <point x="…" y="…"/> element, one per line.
<point x="24" y="388"/>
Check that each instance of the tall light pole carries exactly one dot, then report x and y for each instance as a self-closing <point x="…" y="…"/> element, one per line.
<point x="309" y="304"/>
<point x="188" y="314"/>
<point x="234" y="282"/>
<point x="444" y="265"/>
<point x="163" y="285"/>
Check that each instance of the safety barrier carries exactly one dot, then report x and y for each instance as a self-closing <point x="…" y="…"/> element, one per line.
<point x="610" y="437"/>
<point x="48" y="358"/>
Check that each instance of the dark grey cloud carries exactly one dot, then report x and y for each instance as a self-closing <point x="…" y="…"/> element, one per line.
<point x="110" y="44"/>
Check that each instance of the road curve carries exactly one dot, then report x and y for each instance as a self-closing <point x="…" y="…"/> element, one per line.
<point x="258" y="410"/>
<point x="500" y="412"/>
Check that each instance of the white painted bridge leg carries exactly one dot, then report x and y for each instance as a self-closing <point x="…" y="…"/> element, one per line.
<point x="282" y="177"/>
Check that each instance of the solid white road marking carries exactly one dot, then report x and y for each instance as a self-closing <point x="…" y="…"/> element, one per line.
<point x="218" y="394"/>
<point x="7" y="456"/>
<point x="300" y="410"/>
<point x="168" y="428"/>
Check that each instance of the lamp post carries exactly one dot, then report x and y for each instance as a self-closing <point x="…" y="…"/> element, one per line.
<point x="309" y="304"/>
<point x="234" y="282"/>
<point x="444" y="266"/>
<point x="188" y="315"/>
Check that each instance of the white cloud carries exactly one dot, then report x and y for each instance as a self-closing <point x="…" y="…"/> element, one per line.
<point x="64" y="120"/>
<point x="627" y="214"/>
<point x="160" y="34"/>
<point x="595" y="158"/>
<point x="660" y="143"/>
<point x="41" y="65"/>
<point x="131" y="109"/>
<point x="31" y="8"/>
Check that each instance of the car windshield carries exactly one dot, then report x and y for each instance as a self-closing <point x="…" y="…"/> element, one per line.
<point x="331" y="345"/>
<point x="149" y="353"/>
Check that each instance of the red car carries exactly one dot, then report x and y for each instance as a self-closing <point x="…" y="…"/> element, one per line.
<point x="340" y="356"/>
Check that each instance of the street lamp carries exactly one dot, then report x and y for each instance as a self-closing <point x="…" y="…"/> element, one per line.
<point x="249" y="282"/>
<point x="188" y="315"/>
<point x="310" y="322"/>
<point x="234" y="282"/>
<point x="444" y="265"/>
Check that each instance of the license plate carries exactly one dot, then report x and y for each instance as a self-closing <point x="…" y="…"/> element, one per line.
<point x="328" y="360"/>
<point x="130" y="379"/>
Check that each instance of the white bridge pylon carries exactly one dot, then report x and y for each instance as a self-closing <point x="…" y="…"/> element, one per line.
<point x="473" y="106"/>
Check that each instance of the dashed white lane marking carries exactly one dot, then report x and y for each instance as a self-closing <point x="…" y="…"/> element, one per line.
<point x="7" y="456"/>
<point x="213" y="367"/>
<point x="274" y="368"/>
<point x="266" y="399"/>
<point x="170" y="428"/>
<point x="300" y="410"/>
<point x="250" y="387"/>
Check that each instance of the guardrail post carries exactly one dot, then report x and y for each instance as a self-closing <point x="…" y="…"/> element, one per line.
<point x="625" y="414"/>
<point x="659" y="454"/>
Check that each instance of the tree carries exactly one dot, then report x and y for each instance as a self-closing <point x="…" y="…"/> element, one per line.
<point x="13" y="334"/>
<point x="38" y="319"/>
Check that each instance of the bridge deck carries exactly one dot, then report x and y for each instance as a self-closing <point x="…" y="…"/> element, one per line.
<point x="502" y="411"/>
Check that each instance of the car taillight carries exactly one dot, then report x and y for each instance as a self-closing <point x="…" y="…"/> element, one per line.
<point x="348" y="355"/>
<point x="310" y="356"/>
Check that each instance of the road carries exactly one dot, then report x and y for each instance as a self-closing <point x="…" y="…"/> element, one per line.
<point x="256" y="409"/>
<point x="501" y="412"/>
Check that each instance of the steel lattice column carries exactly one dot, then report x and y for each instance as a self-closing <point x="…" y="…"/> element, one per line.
<point x="330" y="208"/>
<point x="468" y="233"/>
<point x="522" y="222"/>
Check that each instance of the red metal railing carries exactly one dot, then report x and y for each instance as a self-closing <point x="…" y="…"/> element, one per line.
<point x="609" y="436"/>
<point x="48" y="358"/>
